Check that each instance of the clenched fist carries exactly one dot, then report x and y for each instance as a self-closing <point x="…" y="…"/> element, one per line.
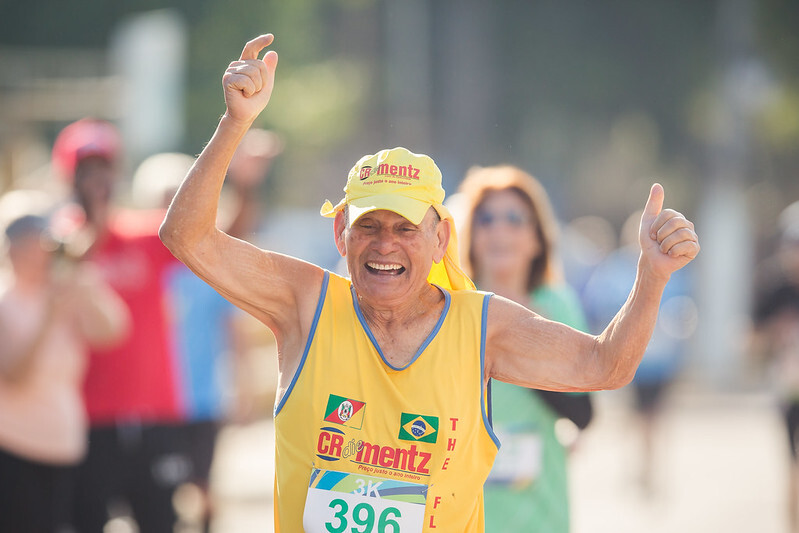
<point x="248" y="82"/>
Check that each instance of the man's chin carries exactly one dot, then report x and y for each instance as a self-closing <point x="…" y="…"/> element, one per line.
<point x="382" y="286"/>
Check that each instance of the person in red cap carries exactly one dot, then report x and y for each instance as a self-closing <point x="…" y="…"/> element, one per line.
<point x="381" y="419"/>
<point x="141" y="399"/>
<point x="131" y="392"/>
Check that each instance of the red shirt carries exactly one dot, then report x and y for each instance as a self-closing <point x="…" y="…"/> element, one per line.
<point x="136" y="380"/>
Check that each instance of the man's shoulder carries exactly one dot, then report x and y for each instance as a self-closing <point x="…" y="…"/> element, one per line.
<point x="464" y="298"/>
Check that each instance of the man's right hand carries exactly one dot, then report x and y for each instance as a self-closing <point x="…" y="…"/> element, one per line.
<point x="248" y="82"/>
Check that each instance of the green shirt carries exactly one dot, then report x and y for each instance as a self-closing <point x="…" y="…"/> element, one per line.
<point x="527" y="490"/>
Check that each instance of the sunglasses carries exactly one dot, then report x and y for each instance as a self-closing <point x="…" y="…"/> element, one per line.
<point x="512" y="218"/>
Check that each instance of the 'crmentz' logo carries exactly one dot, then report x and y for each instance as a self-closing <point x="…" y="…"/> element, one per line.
<point x="331" y="445"/>
<point x="408" y="172"/>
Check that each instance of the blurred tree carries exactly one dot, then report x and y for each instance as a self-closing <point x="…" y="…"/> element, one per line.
<point x="778" y="21"/>
<point x="570" y="90"/>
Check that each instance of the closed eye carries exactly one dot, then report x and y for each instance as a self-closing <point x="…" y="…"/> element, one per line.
<point x="407" y="227"/>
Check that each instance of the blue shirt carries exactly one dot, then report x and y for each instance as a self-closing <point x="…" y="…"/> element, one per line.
<point x="201" y="333"/>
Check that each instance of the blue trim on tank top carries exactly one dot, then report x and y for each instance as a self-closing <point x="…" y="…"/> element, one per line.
<point x="424" y="345"/>
<point x="487" y="414"/>
<point x="311" y="334"/>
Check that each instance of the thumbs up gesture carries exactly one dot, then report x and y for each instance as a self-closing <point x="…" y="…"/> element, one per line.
<point x="248" y="82"/>
<point x="667" y="238"/>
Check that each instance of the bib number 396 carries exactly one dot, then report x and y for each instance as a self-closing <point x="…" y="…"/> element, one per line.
<point x="343" y="502"/>
<point x="363" y="517"/>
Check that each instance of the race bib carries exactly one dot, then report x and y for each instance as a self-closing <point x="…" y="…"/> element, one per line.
<point x="337" y="502"/>
<point x="518" y="461"/>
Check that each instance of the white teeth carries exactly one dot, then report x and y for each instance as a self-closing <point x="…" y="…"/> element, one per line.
<point x="380" y="266"/>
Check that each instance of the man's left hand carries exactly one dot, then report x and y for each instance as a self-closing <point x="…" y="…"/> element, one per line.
<point x="668" y="240"/>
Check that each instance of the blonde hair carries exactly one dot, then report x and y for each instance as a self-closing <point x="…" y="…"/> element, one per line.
<point x="478" y="183"/>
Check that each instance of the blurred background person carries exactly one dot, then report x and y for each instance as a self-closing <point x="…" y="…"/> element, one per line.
<point x="131" y="391"/>
<point x="509" y="248"/>
<point x="608" y="285"/>
<point x="52" y="310"/>
<point x="211" y="342"/>
<point x="776" y="321"/>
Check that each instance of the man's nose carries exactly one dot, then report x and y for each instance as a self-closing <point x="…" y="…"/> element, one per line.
<point x="385" y="240"/>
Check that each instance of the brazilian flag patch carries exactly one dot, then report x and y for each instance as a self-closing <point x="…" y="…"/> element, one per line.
<point x="418" y="428"/>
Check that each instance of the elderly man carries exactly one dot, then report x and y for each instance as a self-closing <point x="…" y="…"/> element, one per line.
<point x="381" y="417"/>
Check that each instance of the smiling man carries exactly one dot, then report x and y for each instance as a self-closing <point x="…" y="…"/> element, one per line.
<point x="380" y="417"/>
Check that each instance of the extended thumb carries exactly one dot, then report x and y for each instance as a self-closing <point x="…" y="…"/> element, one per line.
<point x="270" y="58"/>
<point x="654" y="203"/>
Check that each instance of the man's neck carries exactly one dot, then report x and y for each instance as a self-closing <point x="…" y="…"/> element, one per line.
<point x="29" y="283"/>
<point x="401" y="330"/>
<point x="404" y="314"/>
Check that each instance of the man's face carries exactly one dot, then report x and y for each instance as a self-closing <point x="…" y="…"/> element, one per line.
<point x="389" y="257"/>
<point x="94" y="181"/>
<point x="29" y="256"/>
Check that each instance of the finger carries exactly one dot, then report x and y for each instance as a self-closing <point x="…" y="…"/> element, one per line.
<point x="254" y="47"/>
<point x="255" y="70"/>
<point x="654" y="203"/>
<point x="249" y="65"/>
<point x="264" y="73"/>
<point x="240" y="82"/>
<point x="675" y="238"/>
<point x="667" y="222"/>
<point x="270" y="59"/>
<point x="270" y="64"/>
<point x="689" y="249"/>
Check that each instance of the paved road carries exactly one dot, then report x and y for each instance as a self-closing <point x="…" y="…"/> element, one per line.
<point x="722" y="467"/>
<point x="722" y="464"/>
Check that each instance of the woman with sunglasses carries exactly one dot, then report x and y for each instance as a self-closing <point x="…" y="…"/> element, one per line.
<point x="509" y="238"/>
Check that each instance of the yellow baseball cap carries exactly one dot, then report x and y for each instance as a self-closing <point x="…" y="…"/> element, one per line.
<point x="408" y="184"/>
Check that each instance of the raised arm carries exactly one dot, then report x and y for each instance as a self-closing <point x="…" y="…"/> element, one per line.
<point x="526" y="349"/>
<point x="100" y="314"/>
<point x="276" y="289"/>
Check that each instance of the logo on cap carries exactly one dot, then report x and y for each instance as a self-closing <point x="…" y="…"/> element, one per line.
<point x="398" y="171"/>
<point x="365" y="172"/>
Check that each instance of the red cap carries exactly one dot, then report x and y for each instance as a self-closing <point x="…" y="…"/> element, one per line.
<point x="84" y="138"/>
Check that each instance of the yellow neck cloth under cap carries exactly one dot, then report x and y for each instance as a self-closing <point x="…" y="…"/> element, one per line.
<point x="408" y="184"/>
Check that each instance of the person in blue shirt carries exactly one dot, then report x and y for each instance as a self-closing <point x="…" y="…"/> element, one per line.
<point x="207" y="332"/>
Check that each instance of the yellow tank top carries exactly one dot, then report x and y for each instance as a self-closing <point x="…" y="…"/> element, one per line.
<point x="364" y="446"/>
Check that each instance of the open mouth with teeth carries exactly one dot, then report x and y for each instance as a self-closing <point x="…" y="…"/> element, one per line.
<point x="385" y="269"/>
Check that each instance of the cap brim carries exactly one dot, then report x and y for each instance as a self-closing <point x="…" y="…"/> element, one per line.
<point x="329" y="210"/>
<point x="410" y="208"/>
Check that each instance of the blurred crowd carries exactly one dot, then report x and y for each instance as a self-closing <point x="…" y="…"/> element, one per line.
<point x="119" y="366"/>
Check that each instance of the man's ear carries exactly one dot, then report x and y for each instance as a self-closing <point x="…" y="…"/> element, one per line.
<point x="443" y="232"/>
<point x="339" y="227"/>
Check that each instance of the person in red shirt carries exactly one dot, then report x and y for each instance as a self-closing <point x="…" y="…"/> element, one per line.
<point x="131" y="391"/>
